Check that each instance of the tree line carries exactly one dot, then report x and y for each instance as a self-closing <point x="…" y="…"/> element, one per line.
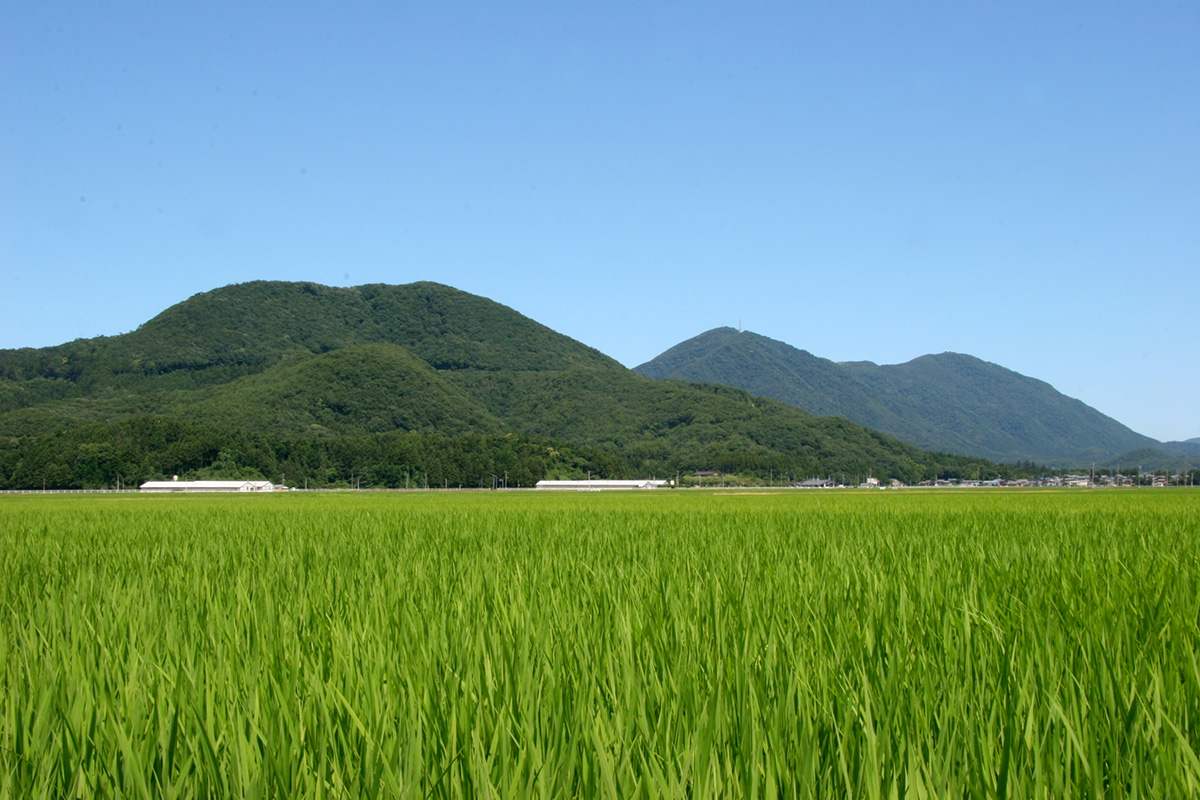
<point x="131" y="451"/>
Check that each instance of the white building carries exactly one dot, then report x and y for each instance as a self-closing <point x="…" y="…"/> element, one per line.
<point x="596" y="486"/>
<point x="207" y="486"/>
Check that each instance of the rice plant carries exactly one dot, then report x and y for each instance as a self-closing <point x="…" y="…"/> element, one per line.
<point x="666" y="644"/>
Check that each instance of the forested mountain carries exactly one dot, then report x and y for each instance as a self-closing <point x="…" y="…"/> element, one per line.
<point x="1165" y="460"/>
<point x="1190" y="447"/>
<point x="1173" y="457"/>
<point x="949" y="402"/>
<point x="242" y="329"/>
<point x="327" y="383"/>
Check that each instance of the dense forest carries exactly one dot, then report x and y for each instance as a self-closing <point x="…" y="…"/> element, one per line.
<point x="950" y="401"/>
<point x="128" y="452"/>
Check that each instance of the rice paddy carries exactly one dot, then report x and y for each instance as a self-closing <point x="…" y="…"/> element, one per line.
<point x="663" y="644"/>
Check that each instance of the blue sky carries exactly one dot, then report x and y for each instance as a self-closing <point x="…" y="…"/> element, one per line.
<point x="1017" y="181"/>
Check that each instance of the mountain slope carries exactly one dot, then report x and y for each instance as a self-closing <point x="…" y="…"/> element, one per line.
<point x="657" y="423"/>
<point x="949" y="402"/>
<point x="968" y="405"/>
<point x="242" y="329"/>
<point x="1189" y="448"/>
<point x="370" y="388"/>
<point x="763" y="366"/>
<point x="1155" y="459"/>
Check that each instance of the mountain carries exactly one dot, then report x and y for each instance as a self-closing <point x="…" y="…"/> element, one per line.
<point x="765" y="367"/>
<point x="1165" y="460"/>
<point x="241" y="329"/>
<point x="949" y="402"/>
<point x="271" y="369"/>
<point x="1189" y="448"/>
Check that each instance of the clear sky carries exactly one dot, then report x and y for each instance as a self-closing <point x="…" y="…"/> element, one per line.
<point x="866" y="181"/>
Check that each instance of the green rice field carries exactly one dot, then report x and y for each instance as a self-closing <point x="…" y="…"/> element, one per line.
<point x="953" y="644"/>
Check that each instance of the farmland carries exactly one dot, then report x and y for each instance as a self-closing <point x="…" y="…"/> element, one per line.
<point x="663" y="644"/>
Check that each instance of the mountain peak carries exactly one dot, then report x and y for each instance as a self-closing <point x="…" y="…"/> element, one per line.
<point x="951" y="402"/>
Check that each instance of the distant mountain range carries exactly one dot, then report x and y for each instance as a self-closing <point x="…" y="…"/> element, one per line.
<point x="949" y="402"/>
<point x="284" y="364"/>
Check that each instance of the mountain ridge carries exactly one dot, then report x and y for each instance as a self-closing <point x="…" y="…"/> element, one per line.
<point x="951" y="402"/>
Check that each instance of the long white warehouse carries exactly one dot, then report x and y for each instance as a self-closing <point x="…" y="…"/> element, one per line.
<point x="207" y="486"/>
<point x="597" y="486"/>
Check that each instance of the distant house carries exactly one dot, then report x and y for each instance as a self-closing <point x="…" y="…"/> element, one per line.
<point x="597" y="486"/>
<point x="817" y="483"/>
<point x="207" y="486"/>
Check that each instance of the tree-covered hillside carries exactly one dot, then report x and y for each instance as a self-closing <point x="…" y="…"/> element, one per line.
<point x="242" y="329"/>
<point x="949" y="402"/>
